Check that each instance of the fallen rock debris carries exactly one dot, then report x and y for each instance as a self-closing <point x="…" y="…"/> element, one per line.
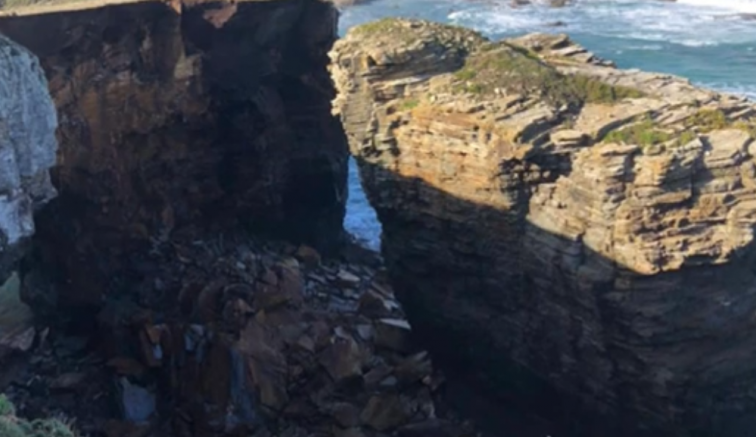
<point x="241" y="338"/>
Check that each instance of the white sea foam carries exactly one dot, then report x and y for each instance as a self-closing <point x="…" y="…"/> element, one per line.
<point x="742" y="6"/>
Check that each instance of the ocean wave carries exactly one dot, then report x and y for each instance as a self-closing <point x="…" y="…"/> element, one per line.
<point x="748" y="91"/>
<point x="743" y="6"/>
<point x="692" y="23"/>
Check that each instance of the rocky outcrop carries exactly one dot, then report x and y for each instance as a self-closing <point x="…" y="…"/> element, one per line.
<point x="561" y="231"/>
<point x="173" y="114"/>
<point x="27" y="149"/>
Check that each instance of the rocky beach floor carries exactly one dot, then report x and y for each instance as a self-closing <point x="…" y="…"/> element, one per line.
<point x="323" y="342"/>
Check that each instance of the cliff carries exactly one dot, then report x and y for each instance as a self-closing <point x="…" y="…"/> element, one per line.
<point x="573" y="236"/>
<point x="27" y="151"/>
<point x="176" y="114"/>
<point x="183" y="127"/>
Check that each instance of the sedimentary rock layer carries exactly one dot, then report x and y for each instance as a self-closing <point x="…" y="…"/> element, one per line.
<point x="561" y="229"/>
<point x="183" y="113"/>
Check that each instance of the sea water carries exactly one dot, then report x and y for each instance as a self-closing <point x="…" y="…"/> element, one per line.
<point x="710" y="42"/>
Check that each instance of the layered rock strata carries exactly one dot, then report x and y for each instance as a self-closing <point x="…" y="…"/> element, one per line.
<point x="176" y="113"/>
<point x="564" y="232"/>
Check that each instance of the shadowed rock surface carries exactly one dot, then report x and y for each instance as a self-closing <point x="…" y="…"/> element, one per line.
<point x="183" y="127"/>
<point x="561" y="232"/>
<point x="182" y="113"/>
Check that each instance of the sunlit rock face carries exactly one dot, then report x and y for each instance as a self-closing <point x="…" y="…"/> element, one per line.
<point x="563" y="233"/>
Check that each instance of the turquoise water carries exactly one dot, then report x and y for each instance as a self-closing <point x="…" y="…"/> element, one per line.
<point x="711" y="42"/>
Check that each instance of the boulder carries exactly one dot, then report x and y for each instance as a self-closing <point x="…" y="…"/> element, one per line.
<point x="562" y="233"/>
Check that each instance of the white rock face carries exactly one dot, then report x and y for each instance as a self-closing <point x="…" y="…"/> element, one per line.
<point x="27" y="147"/>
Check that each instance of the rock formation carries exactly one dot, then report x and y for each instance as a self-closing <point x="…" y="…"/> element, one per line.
<point x="182" y="113"/>
<point x="181" y="123"/>
<point x="27" y="149"/>
<point x="561" y="231"/>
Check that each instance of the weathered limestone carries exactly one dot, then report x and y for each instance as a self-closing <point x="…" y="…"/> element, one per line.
<point x="173" y="114"/>
<point x="567" y="234"/>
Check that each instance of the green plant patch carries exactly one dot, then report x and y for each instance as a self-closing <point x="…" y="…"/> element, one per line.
<point x="707" y="120"/>
<point x="644" y="133"/>
<point x="407" y="104"/>
<point x="516" y="70"/>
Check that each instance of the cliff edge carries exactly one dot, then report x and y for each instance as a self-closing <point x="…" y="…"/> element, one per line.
<point x="574" y="235"/>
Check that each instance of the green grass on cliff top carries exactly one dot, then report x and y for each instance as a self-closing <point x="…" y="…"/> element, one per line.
<point x="496" y="66"/>
<point x="515" y="70"/>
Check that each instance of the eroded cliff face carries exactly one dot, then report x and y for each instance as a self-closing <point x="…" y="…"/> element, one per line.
<point x="27" y="151"/>
<point x="202" y="114"/>
<point x="573" y="235"/>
